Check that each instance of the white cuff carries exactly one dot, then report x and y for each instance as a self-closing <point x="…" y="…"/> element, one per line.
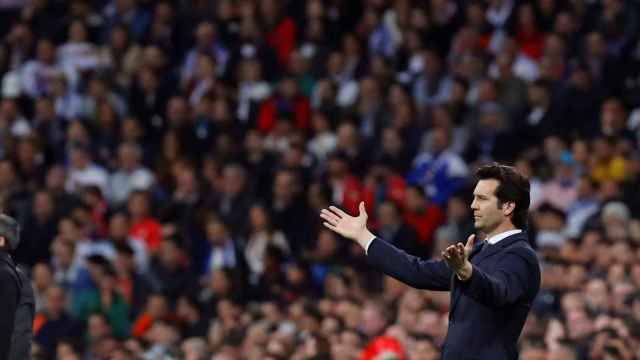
<point x="367" y="244"/>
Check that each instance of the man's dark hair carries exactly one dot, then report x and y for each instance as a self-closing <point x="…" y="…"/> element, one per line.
<point x="512" y="187"/>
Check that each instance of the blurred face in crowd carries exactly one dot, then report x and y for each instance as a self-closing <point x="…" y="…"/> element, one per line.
<point x="77" y="32"/>
<point x="177" y="111"/>
<point x="169" y="254"/>
<point x="46" y="51"/>
<point x="336" y="289"/>
<point x="119" y="38"/>
<point x="415" y="201"/>
<point x="131" y="130"/>
<point x="387" y="214"/>
<point x="69" y="229"/>
<point x="79" y="158"/>
<point x="330" y="326"/>
<point x="612" y="116"/>
<point x="327" y="244"/>
<point x="596" y="292"/>
<point x="537" y="95"/>
<point x="554" y="47"/>
<point x="596" y="45"/>
<point x="578" y="324"/>
<point x="45" y="109"/>
<point x="129" y="156"/>
<point x="441" y="137"/>
<point x="157" y="306"/>
<point x="424" y="350"/>
<point x="258" y="217"/>
<point x="431" y="323"/>
<point x="42" y="277"/>
<point x="373" y="321"/>
<point x="138" y="205"/>
<point x="194" y="349"/>
<point x="456" y="209"/>
<point x="148" y="80"/>
<point x="98" y="326"/>
<point x="284" y="186"/>
<point x="216" y="232"/>
<point x="43" y="206"/>
<point x="391" y="141"/>
<point x="154" y="57"/>
<point x="55" y="301"/>
<point x="77" y="132"/>
<point x="63" y="251"/>
<point x="561" y="353"/>
<point x="233" y="180"/>
<point x="124" y="263"/>
<point x="7" y="174"/>
<point x="119" y="226"/>
<point x="206" y="67"/>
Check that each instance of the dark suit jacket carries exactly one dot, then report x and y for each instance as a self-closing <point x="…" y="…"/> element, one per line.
<point x="487" y="311"/>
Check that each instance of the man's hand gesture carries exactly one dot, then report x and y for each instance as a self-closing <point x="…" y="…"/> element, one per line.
<point x="457" y="258"/>
<point x="351" y="227"/>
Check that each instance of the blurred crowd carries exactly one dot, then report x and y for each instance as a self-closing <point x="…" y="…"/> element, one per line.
<point x="168" y="161"/>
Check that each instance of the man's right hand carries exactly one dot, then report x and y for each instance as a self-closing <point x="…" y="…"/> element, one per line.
<point x="354" y="228"/>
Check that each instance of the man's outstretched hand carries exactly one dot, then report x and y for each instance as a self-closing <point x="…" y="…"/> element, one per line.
<point x="351" y="227"/>
<point x="457" y="258"/>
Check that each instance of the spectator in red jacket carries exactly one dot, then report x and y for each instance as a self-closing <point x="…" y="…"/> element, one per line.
<point x="424" y="216"/>
<point x="287" y="102"/>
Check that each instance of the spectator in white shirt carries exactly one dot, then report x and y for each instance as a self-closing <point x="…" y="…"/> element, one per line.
<point x="37" y="74"/>
<point x="324" y="140"/>
<point x="83" y="172"/>
<point x="77" y="55"/>
<point x="206" y="43"/>
<point x="130" y="175"/>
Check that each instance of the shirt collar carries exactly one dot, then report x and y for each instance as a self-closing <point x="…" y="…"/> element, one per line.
<point x="497" y="237"/>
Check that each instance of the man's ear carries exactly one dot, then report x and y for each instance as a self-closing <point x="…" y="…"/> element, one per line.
<point x="3" y="241"/>
<point x="508" y="208"/>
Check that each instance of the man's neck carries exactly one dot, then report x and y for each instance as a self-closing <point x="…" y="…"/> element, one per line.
<point x="506" y="226"/>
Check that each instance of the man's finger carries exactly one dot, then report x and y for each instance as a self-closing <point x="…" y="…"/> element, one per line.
<point x="329" y="226"/>
<point x="471" y="240"/>
<point x="329" y="216"/>
<point x="338" y="211"/>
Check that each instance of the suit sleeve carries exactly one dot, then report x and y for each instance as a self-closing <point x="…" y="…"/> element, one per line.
<point x="505" y="285"/>
<point x="8" y="304"/>
<point x="411" y="270"/>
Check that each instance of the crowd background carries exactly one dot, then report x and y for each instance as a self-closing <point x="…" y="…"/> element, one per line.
<point x="168" y="160"/>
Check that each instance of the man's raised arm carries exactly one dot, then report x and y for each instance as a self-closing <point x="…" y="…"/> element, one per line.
<point x="422" y="274"/>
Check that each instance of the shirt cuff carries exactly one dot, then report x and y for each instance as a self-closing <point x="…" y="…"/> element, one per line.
<point x="367" y="244"/>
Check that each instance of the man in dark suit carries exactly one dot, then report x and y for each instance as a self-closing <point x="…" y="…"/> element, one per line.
<point x="492" y="283"/>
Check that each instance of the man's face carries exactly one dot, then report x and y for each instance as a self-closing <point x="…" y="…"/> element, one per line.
<point x="487" y="215"/>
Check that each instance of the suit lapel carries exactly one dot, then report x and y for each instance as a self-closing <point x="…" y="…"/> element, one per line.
<point x="494" y="249"/>
<point x="478" y="256"/>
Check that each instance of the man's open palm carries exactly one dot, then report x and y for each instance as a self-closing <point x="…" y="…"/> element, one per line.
<point x="344" y="224"/>
<point x="457" y="255"/>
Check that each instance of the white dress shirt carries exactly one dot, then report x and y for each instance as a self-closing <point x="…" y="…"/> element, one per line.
<point x="497" y="237"/>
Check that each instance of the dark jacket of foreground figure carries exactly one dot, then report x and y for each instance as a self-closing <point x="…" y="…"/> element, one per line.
<point x="488" y="311"/>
